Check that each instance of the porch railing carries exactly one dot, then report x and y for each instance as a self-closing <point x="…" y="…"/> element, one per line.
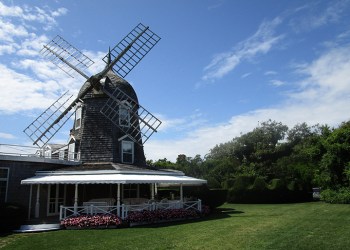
<point x="123" y="210"/>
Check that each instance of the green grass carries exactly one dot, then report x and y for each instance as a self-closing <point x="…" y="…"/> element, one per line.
<point x="236" y="226"/>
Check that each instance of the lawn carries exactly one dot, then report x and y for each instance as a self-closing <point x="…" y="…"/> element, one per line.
<point x="314" y="225"/>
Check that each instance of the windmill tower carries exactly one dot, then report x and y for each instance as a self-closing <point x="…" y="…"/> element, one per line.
<point x="110" y="125"/>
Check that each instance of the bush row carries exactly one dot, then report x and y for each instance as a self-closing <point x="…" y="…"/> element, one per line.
<point x="341" y="196"/>
<point x="244" y="189"/>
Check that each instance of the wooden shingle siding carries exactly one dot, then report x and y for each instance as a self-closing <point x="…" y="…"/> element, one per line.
<point x="97" y="138"/>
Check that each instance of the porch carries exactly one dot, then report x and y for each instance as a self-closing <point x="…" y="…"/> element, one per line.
<point x="73" y="193"/>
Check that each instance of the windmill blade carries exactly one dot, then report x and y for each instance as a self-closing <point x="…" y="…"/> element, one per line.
<point x="66" y="57"/>
<point x="130" y="51"/>
<point x="43" y="128"/>
<point x="142" y="123"/>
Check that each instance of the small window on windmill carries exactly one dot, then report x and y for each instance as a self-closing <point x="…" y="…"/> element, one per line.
<point x="127" y="152"/>
<point x="78" y="117"/>
<point x="71" y="152"/>
<point x="124" y="114"/>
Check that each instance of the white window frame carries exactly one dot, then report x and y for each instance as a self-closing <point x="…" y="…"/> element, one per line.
<point x="77" y="123"/>
<point x="56" y="201"/>
<point x="61" y="154"/>
<point x="132" y="151"/>
<point x="124" y="108"/>
<point x="71" y="151"/>
<point x="7" y="182"/>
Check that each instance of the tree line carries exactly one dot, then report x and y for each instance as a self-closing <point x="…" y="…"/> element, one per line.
<point x="313" y="156"/>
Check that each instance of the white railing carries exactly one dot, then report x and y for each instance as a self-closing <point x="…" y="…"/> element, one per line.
<point x="66" y="212"/>
<point x="123" y="210"/>
<point x="32" y="151"/>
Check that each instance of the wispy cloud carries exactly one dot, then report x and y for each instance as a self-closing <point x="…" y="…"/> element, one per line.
<point x="276" y="82"/>
<point x="246" y="75"/>
<point x="314" y="15"/>
<point x="6" y="136"/>
<point x="260" y="43"/>
<point x="270" y="73"/>
<point x="323" y="97"/>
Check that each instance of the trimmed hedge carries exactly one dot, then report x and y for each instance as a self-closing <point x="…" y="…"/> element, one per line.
<point x="278" y="191"/>
<point x="210" y="197"/>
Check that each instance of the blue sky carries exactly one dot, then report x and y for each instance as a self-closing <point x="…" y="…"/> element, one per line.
<point x="220" y="69"/>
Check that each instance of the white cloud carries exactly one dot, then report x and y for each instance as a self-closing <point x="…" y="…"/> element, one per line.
<point x="10" y="10"/>
<point x="323" y="97"/>
<point x="270" y="72"/>
<point x="20" y="92"/>
<point x="246" y="75"/>
<point x="260" y="43"/>
<point x="313" y="15"/>
<point x="7" y="136"/>
<point x="9" y="31"/>
<point x="277" y="83"/>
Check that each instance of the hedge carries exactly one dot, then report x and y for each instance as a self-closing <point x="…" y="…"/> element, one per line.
<point x="278" y="191"/>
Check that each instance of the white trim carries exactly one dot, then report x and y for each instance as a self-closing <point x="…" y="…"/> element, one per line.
<point x="71" y="151"/>
<point x="132" y="151"/>
<point x="56" y="199"/>
<point x="76" y="193"/>
<point x="113" y="179"/>
<point x="78" y="117"/>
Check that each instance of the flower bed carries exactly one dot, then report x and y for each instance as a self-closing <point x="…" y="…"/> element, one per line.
<point x="92" y="221"/>
<point x="146" y="216"/>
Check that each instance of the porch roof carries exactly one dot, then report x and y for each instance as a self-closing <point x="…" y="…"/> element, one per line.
<point x="112" y="178"/>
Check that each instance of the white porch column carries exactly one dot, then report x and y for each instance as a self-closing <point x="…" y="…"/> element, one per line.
<point x="155" y="188"/>
<point x="152" y="191"/>
<point x="30" y="201"/>
<point x="37" y="204"/>
<point x="181" y="193"/>
<point x="76" y="199"/>
<point x="118" y="200"/>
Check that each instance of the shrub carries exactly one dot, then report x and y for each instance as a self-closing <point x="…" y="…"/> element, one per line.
<point x="161" y="214"/>
<point x="91" y="221"/>
<point x="259" y="185"/>
<point x="341" y="196"/>
<point x="210" y="197"/>
<point x="214" y="198"/>
<point x="277" y="185"/>
<point x="257" y="193"/>
<point x="239" y="193"/>
<point x="12" y="216"/>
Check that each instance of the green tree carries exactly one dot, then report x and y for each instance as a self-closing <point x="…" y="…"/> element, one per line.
<point x="336" y="159"/>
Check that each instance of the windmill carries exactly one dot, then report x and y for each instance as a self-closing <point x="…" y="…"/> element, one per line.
<point x="120" y="116"/>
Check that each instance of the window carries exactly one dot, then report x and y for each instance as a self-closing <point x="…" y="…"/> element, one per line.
<point x="61" y="154"/>
<point x="47" y="153"/>
<point x="4" y="176"/>
<point x="78" y="117"/>
<point x="129" y="191"/>
<point x="124" y="114"/>
<point x="127" y="152"/>
<point x="71" y="151"/>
